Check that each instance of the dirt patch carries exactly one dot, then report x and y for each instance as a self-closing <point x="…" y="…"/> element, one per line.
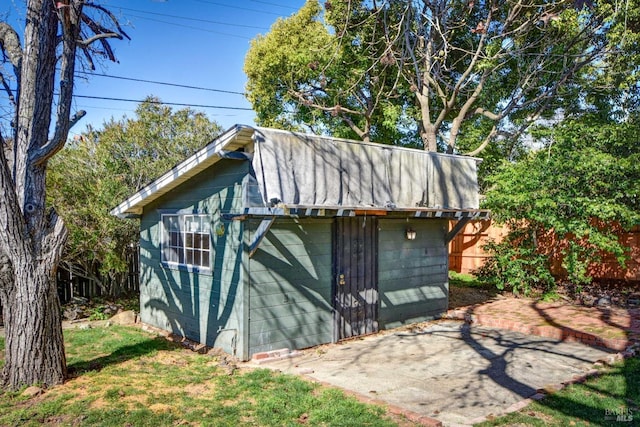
<point x="462" y="296"/>
<point x="160" y="407"/>
<point x="197" y="389"/>
<point x="603" y="293"/>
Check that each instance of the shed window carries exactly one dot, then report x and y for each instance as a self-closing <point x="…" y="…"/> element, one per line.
<point x="186" y="240"/>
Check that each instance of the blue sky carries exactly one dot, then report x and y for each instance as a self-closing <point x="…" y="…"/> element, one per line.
<point x="198" y="43"/>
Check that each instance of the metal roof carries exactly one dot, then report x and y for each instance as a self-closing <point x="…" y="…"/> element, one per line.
<point x="303" y="172"/>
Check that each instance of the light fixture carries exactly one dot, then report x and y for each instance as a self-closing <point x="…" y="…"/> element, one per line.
<point x="410" y="233"/>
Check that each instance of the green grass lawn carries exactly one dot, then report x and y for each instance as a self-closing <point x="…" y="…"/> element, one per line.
<point x="123" y="376"/>
<point x="466" y="280"/>
<point x="598" y="401"/>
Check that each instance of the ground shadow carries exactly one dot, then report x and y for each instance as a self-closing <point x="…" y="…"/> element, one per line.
<point x="464" y="296"/>
<point x="120" y="355"/>
<point x="574" y="408"/>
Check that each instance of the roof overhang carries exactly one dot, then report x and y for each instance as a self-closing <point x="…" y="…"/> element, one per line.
<point x="233" y="139"/>
<point x="297" y="211"/>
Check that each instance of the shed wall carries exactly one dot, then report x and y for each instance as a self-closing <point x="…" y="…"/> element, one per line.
<point x="205" y="306"/>
<point x="290" y="279"/>
<point x="412" y="274"/>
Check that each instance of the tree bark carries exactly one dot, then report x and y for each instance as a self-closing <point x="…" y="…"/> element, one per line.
<point x="32" y="236"/>
<point x="34" y="347"/>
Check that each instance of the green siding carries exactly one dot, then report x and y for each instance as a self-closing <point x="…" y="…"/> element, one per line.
<point x="412" y="275"/>
<point x="205" y="306"/>
<point x="290" y="286"/>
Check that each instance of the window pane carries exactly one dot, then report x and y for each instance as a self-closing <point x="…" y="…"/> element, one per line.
<point x="189" y="240"/>
<point x="169" y="255"/>
<point x="192" y="223"/>
<point x="197" y="258"/>
<point x="175" y="239"/>
<point x="189" y="259"/>
<point x="197" y="241"/>
<point x="205" y="242"/>
<point x="171" y="222"/>
<point x="205" y="259"/>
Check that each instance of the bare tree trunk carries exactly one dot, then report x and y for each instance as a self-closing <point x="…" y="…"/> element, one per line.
<point x="34" y="349"/>
<point x="428" y="135"/>
<point x="31" y="235"/>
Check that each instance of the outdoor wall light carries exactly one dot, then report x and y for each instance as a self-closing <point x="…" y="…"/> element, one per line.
<point x="410" y="233"/>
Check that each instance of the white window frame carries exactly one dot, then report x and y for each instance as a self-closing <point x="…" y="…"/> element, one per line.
<point x="186" y="240"/>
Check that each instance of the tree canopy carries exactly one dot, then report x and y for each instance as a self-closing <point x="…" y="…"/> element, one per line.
<point x="101" y="168"/>
<point x="302" y="75"/>
<point x="459" y="75"/>
<point x="583" y="186"/>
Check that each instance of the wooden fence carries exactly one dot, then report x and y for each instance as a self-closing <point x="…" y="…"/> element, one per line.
<point x="466" y="253"/>
<point x="70" y="285"/>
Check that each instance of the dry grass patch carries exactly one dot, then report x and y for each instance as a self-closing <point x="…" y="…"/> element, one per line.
<point x="124" y="376"/>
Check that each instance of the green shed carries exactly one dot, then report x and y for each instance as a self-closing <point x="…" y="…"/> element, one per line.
<point x="267" y="239"/>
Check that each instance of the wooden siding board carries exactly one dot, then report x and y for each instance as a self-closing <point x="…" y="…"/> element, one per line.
<point x="412" y="275"/>
<point x="411" y="281"/>
<point x="205" y="306"/>
<point x="278" y="287"/>
<point x="301" y="309"/>
<point x="297" y="337"/>
<point x="302" y="267"/>
<point x="316" y="297"/>
<point x="287" y="342"/>
<point x="291" y="322"/>
<point x="281" y="259"/>
<point x="290" y="285"/>
<point x="434" y="259"/>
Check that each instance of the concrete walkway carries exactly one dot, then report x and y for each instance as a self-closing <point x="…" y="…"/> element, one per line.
<point x="446" y="371"/>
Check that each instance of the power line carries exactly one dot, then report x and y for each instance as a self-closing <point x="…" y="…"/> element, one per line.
<point x="238" y="7"/>
<point x="275" y="4"/>
<point x="105" y="98"/>
<point x="190" y="27"/>
<point x="193" y="19"/>
<point x="161" y="83"/>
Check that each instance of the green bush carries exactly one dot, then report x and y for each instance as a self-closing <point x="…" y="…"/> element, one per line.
<point x="518" y="268"/>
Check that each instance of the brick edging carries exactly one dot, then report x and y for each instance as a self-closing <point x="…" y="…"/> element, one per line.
<point x="558" y="333"/>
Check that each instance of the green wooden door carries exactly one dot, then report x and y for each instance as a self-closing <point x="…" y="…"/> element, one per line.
<point x="356" y="277"/>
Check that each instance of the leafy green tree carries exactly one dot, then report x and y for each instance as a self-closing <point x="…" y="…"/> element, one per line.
<point x="101" y="168"/>
<point x="301" y="75"/>
<point x="459" y="75"/>
<point x="583" y="186"/>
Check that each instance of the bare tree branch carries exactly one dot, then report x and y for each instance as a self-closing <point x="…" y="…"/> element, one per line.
<point x="10" y="46"/>
<point x="111" y="16"/>
<point x="484" y="143"/>
<point x="90" y="40"/>
<point x="5" y="86"/>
